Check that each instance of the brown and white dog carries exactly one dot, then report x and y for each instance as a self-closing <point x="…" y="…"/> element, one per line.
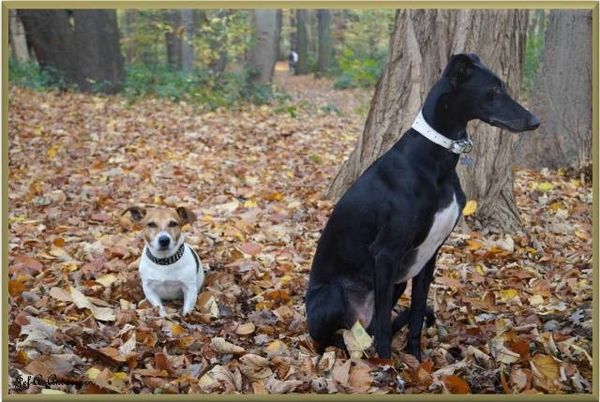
<point x="169" y="268"/>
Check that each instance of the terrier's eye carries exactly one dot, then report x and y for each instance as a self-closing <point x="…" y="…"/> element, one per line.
<point x="173" y="224"/>
<point x="151" y="225"/>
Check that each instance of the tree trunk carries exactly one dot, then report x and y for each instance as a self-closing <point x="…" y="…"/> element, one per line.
<point x="562" y="96"/>
<point x="293" y="29"/>
<point x="128" y="29"/>
<point x="421" y="44"/>
<point x="263" y="54"/>
<point x="80" y="47"/>
<point x="173" y="40"/>
<point x="18" y="42"/>
<point x="325" y="48"/>
<point x="187" y="44"/>
<point x="302" y="42"/>
<point x="98" y="54"/>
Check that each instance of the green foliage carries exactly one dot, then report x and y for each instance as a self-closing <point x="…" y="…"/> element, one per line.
<point x="222" y="29"/>
<point x="534" y="48"/>
<point x="219" y="33"/>
<point x="364" y="54"/>
<point x="358" y="72"/>
<point x="29" y="75"/>
<point x="202" y="86"/>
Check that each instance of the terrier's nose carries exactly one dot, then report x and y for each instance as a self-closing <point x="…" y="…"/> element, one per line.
<point x="163" y="241"/>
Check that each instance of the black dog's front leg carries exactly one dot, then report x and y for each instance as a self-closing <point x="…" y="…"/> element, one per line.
<point x="384" y="263"/>
<point x="418" y="306"/>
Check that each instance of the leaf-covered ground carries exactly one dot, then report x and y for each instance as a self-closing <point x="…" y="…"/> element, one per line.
<point x="513" y="311"/>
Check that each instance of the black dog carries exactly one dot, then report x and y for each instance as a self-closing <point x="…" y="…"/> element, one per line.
<point x="388" y="227"/>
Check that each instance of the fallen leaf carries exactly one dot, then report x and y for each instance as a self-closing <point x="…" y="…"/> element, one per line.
<point x="470" y="208"/>
<point x="456" y="385"/>
<point x="220" y="345"/>
<point x="357" y="340"/>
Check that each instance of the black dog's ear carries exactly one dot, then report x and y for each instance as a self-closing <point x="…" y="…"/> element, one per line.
<point x="137" y="213"/>
<point x="186" y="215"/>
<point x="459" y="68"/>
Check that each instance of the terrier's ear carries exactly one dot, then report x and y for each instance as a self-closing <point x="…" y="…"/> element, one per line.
<point x="137" y="213"/>
<point x="186" y="215"/>
<point x="459" y="68"/>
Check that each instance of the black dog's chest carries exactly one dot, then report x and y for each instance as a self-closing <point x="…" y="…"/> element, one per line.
<point x="442" y="224"/>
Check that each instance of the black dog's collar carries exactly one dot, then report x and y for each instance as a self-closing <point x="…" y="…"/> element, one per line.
<point x="169" y="260"/>
<point x="462" y="146"/>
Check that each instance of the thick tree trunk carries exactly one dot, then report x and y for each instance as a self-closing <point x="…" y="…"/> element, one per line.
<point x="80" y="47"/>
<point x="562" y="96"/>
<point x="263" y="54"/>
<point x="51" y="38"/>
<point x="325" y="47"/>
<point x="420" y="47"/>
<point x="98" y="54"/>
<point x="18" y="41"/>
<point x="302" y="42"/>
<point x="172" y="38"/>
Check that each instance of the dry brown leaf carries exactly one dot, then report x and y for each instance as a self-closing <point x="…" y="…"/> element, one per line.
<point x="456" y="385"/>
<point x="220" y="345"/>
<point x="255" y="367"/>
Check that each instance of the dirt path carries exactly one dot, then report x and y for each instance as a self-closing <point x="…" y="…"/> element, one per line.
<point x="353" y="102"/>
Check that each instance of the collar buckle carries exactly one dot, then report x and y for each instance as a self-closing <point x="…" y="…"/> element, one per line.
<point x="462" y="146"/>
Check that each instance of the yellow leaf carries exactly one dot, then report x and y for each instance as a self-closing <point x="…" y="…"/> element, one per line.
<point x="479" y="270"/>
<point x="92" y="373"/>
<point x="508" y="294"/>
<point x="545" y="186"/>
<point x="470" y="208"/>
<point x="51" y="152"/>
<point x="250" y="203"/>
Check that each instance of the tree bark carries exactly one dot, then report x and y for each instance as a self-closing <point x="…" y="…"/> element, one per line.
<point x="562" y="96"/>
<point x="302" y="42"/>
<point x="172" y="38"/>
<point x="421" y="44"/>
<point x="128" y="29"/>
<point x="325" y="47"/>
<point x="263" y="54"/>
<point x="98" y="53"/>
<point x="18" y="41"/>
<point x="80" y="47"/>
<point x="187" y="44"/>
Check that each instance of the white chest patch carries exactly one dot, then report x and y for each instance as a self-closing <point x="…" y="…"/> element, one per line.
<point x="443" y="223"/>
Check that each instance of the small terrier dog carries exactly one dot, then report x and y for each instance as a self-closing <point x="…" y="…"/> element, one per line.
<point x="169" y="268"/>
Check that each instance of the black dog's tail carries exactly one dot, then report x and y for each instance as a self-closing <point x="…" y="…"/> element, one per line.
<point x="325" y="312"/>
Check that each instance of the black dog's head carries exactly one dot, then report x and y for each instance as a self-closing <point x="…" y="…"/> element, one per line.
<point x="480" y="93"/>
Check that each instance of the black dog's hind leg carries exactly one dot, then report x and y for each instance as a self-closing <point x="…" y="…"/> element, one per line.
<point x="325" y="310"/>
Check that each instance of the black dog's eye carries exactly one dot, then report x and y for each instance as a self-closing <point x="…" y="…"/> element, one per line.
<point x="151" y="225"/>
<point x="172" y="224"/>
<point x="490" y="94"/>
